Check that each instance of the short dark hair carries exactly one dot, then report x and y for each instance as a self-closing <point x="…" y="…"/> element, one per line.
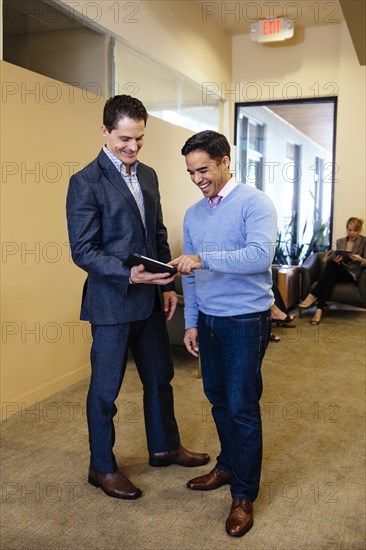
<point x="214" y="144"/>
<point x="121" y="106"/>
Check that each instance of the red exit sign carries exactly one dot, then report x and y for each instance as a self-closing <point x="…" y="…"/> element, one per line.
<point x="271" y="26"/>
<point x="272" y="30"/>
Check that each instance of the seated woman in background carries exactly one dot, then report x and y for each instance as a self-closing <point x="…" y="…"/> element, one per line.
<point x="340" y="267"/>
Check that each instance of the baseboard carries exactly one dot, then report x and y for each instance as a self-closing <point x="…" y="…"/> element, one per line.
<point x="28" y="399"/>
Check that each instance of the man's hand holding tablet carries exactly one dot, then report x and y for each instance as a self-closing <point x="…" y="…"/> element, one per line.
<point x="145" y="270"/>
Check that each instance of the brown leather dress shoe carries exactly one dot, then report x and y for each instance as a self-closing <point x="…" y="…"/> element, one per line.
<point x="180" y="456"/>
<point x="114" y="484"/>
<point x="240" y="519"/>
<point x="215" y="479"/>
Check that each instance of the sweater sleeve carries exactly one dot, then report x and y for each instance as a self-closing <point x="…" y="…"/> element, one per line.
<point x="256" y="255"/>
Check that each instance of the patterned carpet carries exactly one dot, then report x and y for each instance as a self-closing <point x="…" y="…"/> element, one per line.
<point x="313" y="480"/>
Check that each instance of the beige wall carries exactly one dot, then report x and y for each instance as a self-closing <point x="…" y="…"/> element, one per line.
<point x="41" y="351"/>
<point x="323" y="63"/>
<point x="350" y="189"/>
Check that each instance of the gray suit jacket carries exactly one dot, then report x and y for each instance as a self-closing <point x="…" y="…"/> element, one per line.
<point x="359" y="247"/>
<point x="105" y="226"/>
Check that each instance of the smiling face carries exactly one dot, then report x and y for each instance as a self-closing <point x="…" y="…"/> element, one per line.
<point x="125" y="140"/>
<point x="208" y="174"/>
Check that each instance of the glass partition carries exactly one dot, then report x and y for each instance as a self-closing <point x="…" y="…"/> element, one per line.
<point x="166" y="93"/>
<point x="46" y="38"/>
<point x="287" y="149"/>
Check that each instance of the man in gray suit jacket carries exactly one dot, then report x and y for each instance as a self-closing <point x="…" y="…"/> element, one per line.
<point x="113" y="210"/>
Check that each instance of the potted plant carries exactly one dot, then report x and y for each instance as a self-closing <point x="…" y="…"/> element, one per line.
<point x="290" y="251"/>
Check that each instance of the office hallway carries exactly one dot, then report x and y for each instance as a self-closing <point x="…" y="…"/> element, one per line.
<point x="313" y="485"/>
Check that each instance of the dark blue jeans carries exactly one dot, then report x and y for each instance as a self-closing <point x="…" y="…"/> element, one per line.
<point x="149" y="343"/>
<point x="231" y="351"/>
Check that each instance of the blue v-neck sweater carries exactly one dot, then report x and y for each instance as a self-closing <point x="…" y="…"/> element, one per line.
<point x="236" y="243"/>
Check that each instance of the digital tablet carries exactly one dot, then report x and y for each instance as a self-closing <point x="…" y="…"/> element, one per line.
<point x="151" y="265"/>
<point x="342" y="252"/>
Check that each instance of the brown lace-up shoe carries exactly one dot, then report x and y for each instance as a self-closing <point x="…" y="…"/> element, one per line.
<point x="215" y="479"/>
<point x="114" y="484"/>
<point x="180" y="456"/>
<point x="240" y="519"/>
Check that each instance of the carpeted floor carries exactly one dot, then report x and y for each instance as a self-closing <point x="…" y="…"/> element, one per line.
<point x="313" y="485"/>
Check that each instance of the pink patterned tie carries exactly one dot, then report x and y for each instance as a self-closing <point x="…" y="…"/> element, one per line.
<point x="215" y="201"/>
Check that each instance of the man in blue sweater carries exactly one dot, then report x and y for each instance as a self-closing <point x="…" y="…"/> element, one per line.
<point x="229" y="238"/>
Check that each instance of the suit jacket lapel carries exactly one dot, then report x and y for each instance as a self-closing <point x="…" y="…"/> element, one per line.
<point x="149" y="203"/>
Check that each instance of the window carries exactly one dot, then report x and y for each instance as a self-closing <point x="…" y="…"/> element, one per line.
<point x="166" y="93"/>
<point x="250" y="140"/>
<point x="286" y="149"/>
